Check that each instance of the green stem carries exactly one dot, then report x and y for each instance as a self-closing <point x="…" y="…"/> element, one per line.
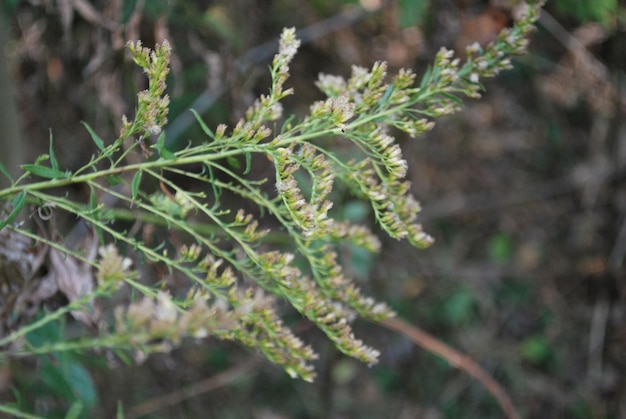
<point x="74" y="305"/>
<point x="110" y="342"/>
<point x="16" y="413"/>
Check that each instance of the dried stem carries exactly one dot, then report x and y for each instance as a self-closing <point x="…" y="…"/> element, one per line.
<point x="455" y="358"/>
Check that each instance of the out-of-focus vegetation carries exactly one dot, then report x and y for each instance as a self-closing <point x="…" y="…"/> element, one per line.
<point x="607" y="12"/>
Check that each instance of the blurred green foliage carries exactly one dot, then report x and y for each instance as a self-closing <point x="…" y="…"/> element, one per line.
<point x="61" y="378"/>
<point x="344" y="371"/>
<point x="602" y="11"/>
<point x="500" y="247"/>
<point x="413" y="12"/>
<point x="459" y="308"/>
<point x="539" y="352"/>
<point x="387" y="379"/>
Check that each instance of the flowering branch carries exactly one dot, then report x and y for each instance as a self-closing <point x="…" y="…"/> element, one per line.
<point x="235" y="272"/>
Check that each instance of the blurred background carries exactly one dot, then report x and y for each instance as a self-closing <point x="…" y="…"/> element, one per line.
<point x="524" y="192"/>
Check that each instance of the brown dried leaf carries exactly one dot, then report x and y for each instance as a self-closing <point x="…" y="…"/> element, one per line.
<point x="20" y="250"/>
<point x="74" y="279"/>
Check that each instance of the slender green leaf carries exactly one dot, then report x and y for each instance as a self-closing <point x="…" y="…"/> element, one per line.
<point x="53" y="381"/>
<point x="453" y="98"/>
<point x="46" y="172"/>
<point x="160" y="143"/>
<point x="93" y="200"/>
<point x="5" y="172"/>
<point x="287" y="123"/>
<point x="122" y="355"/>
<point x="248" y="163"/>
<point x="166" y="154"/>
<point x="135" y="184"/>
<point x="53" y="158"/>
<point x="386" y="96"/>
<point x="217" y="191"/>
<point x="94" y="137"/>
<point x="95" y="210"/>
<point x="204" y="127"/>
<point x="435" y="73"/>
<point x="426" y="77"/>
<point x="18" y="203"/>
<point x="80" y="381"/>
<point x="160" y="246"/>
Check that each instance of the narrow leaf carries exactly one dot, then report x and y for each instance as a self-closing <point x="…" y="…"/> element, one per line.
<point x="453" y="98"/>
<point x="53" y="158"/>
<point x="386" y="96"/>
<point x="5" y="172"/>
<point x="94" y="209"/>
<point x="217" y="191"/>
<point x="135" y="184"/>
<point x="204" y="127"/>
<point x="46" y="172"/>
<point x="160" y="142"/>
<point x="17" y="203"/>
<point x="426" y="77"/>
<point x="94" y="137"/>
<point x="164" y="153"/>
<point x="287" y="123"/>
<point x="93" y="199"/>
<point x="248" y="163"/>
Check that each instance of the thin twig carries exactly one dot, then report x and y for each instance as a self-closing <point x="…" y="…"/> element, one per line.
<point x="573" y="45"/>
<point x="456" y="359"/>
<point x="597" y="337"/>
<point x="220" y="380"/>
